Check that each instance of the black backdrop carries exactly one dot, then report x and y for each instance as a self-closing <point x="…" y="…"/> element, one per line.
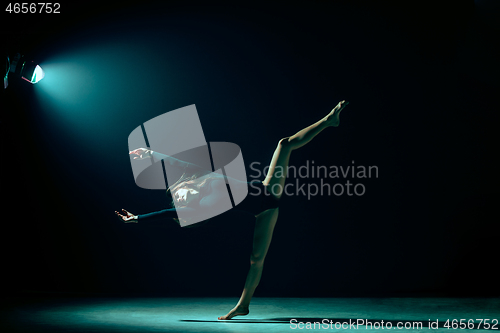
<point x="421" y="80"/>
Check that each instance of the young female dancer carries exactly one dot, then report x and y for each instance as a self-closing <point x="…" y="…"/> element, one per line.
<point x="193" y="197"/>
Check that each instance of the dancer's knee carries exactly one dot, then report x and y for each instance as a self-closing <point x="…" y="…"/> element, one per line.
<point x="256" y="259"/>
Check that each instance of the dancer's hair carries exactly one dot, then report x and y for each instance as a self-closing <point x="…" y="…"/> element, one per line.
<point x="187" y="180"/>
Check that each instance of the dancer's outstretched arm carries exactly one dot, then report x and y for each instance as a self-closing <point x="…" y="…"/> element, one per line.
<point x="206" y="205"/>
<point x="128" y="217"/>
<point x="143" y="153"/>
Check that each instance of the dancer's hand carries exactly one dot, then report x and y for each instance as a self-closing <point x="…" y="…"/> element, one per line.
<point x="141" y="153"/>
<point x="127" y="217"/>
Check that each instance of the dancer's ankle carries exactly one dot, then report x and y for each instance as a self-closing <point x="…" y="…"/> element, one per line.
<point x="242" y="306"/>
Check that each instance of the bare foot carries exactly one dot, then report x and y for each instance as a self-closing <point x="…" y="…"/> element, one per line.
<point x="236" y="311"/>
<point x="333" y="117"/>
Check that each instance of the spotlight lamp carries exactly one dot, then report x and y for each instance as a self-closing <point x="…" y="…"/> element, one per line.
<point x="27" y="70"/>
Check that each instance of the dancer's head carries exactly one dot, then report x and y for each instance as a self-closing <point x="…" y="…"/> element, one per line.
<point x="188" y="191"/>
<point x="185" y="195"/>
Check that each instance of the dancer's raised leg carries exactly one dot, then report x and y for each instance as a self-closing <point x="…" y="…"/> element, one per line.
<point x="265" y="222"/>
<point x="276" y="180"/>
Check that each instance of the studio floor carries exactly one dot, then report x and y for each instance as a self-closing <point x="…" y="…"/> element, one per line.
<point x="99" y="314"/>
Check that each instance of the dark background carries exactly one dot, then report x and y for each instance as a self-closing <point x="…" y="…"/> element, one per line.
<point x="422" y="81"/>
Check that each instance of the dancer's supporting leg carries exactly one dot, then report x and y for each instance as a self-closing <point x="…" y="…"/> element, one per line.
<point x="265" y="221"/>
<point x="263" y="232"/>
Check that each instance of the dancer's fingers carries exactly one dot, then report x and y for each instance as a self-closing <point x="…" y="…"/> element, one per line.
<point x="127" y="212"/>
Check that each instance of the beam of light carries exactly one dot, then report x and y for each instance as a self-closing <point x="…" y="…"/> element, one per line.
<point x="96" y="86"/>
<point x="89" y="90"/>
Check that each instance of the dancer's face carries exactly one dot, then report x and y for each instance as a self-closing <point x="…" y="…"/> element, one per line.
<point x="184" y="196"/>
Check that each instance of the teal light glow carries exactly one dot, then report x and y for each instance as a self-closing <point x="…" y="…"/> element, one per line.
<point x="88" y="88"/>
<point x="38" y="74"/>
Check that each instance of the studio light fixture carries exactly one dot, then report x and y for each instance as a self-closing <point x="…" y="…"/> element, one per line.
<point x="27" y="70"/>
